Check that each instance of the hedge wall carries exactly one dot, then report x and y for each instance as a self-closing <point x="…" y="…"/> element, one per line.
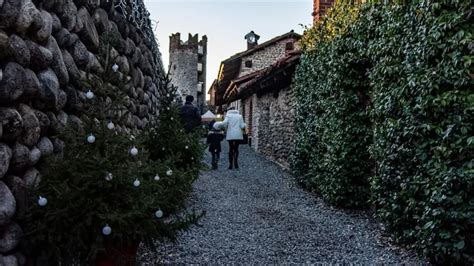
<point x="385" y="111"/>
<point x="331" y="155"/>
<point x="332" y="109"/>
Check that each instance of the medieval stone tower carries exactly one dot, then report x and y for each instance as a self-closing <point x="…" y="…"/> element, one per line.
<point x="187" y="67"/>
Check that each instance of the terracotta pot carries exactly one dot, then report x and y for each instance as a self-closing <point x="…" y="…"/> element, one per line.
<point x="124" y="256"/>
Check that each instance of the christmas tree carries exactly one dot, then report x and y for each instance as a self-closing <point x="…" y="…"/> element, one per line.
<point x="165" y="137"/>
<point x="103" y="192"/>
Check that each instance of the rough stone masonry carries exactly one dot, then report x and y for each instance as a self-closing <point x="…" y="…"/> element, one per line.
<point x="46" y="47"/>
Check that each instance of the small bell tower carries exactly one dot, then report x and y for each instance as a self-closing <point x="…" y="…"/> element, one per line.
<point x="252" y="40"/>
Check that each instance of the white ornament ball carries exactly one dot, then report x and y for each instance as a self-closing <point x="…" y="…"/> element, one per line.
<point x="109" y="177"/>
<point x="110" y="125"/>
<point x="187" y="147"/>
<point x="91" y="138"/>
<point x="136" y="183"/>
<point x="167" y="108"/>
<point x="42" y="201"/>
<point x="106" y="230"/>
<point x="133" y="151"/>
<point x="115" y="67"/>
<point x="192" y="158"/>
<point x="157" y="177"/>
<point x="89" y="94"/>
<point x="172" y="118"/>
<point x="159" y="213"/>
<point x="162" y="149"/>
<point x="169" y="172"/>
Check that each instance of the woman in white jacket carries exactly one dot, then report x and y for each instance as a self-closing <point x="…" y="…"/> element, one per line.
<point x="234" y="124"/>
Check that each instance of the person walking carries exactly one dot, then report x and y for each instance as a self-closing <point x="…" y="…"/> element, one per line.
<point x="190" y="115"/>
<point x="214" y="139"/>
<point x="234" y="124"/>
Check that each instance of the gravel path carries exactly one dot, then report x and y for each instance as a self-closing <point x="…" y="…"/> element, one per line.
<point x="258" y="215"/>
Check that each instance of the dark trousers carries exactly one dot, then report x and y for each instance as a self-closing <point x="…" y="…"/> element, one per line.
<point x="234" y="147"/>
<point x="215" y="156"/>
<point x="233" y="153"/>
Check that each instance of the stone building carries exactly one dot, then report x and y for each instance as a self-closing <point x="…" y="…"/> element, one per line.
<point x="257" y="82"/>
<point x="320" y="7"/>
<point x="211" y="102"/>
<point x="187" y="67"/>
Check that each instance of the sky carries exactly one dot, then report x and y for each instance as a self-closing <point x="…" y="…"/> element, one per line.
<point x="225" y="22"/>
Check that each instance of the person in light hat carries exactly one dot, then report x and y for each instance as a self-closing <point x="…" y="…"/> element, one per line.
<point x="214" y="139"/>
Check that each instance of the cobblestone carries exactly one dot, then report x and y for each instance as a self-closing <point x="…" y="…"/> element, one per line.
<point x="258" y="215"/>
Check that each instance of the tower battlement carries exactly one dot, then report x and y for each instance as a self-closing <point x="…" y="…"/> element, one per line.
<point x="192" y="43"/>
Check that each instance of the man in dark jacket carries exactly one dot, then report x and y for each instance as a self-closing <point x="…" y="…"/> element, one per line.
<point x="190" y="115"/>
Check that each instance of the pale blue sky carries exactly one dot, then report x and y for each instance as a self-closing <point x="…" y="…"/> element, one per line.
<point x="225" y="22"/>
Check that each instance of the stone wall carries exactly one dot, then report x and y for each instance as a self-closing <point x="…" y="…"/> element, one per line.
<point x="46" y="49"/>
<point x="273" y="129"/>
<point x="255" y="119"/>
<point x="245" y="108"/>
<point x="183" y="71"/>
<point x="265" y="57"/>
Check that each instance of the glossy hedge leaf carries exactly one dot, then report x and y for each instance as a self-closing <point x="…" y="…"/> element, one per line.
<point x="395" y="81"/>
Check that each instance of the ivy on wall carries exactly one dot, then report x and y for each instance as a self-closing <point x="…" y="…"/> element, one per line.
<point x="385" y="111"/>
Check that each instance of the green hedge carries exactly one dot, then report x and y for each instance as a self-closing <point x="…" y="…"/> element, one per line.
<point x="423" y="113"/>
<point x="396" y="81"/>
<point x="333" y="126"/>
